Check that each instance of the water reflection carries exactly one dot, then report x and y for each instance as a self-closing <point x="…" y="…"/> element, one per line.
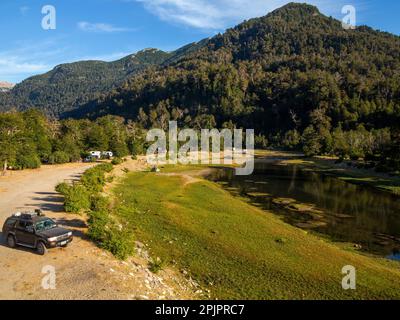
<point x="343" y="211"/>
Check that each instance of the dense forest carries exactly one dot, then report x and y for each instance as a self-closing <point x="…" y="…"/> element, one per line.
<point x="28" y="139"/>
<point x="295" y="76"/>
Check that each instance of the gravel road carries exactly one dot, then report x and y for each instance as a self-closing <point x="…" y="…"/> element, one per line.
<point x="83" y="271"/>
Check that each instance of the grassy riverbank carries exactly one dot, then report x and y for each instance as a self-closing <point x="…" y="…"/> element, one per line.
<point x="236" y="250"/>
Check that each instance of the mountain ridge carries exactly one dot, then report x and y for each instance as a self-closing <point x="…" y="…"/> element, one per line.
<point x="70" y="85"/>
<point x="295" y="37"/>
<point x="295" y="76"/>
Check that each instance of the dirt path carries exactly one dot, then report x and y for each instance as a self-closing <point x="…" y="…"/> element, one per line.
<point x="83" y="271"/>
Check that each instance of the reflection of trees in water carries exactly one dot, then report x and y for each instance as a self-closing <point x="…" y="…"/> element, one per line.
<point x="371" y="211"/>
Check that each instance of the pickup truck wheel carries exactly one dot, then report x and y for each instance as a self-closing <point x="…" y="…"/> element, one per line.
<point x="41" y="249"/>
<point x="11" y="241"/>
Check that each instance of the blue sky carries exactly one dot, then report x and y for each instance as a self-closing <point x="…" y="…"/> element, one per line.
<point x="111" y="29"/>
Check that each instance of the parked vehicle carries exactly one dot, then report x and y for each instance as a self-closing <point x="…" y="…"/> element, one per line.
<point x="107" y="154"/>
<point x="34" y="230"/>
<point x="95" y="154"/>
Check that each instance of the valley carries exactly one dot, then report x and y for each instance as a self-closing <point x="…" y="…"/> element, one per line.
<point x="324" y="104"/>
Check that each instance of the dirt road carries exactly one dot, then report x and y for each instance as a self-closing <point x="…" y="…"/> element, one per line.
<point x="83" y="271"/>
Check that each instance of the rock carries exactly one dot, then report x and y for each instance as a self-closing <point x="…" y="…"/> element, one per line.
<point x="283" y="201"/>
<point x="281" y="240"/>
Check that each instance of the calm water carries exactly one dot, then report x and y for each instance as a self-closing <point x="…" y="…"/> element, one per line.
<point x="343" y="211"/>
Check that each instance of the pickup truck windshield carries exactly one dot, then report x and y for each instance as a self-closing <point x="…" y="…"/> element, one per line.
<point x="44" y="225"/>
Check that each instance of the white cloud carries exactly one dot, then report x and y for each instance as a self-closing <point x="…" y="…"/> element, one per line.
<point x="219" y="14"/>
<point x="24" y="10"/>
<point x="12" y="66"/>
<point x="14" y="69"/>
<point x="101" y="27"/>
<point x="28" y="57"/>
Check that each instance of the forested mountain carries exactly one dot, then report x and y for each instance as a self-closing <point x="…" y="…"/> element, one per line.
<point x="69" y="86"/>
<point x="294" y="75"/>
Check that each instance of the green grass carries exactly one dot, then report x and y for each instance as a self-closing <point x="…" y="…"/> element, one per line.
<point x="238" y="251"/>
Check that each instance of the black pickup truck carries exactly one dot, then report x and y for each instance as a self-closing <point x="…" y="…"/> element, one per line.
<point x="36" y="231"/>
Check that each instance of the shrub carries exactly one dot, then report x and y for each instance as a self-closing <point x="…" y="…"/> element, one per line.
<point x="28" y="161"/>
<point x="99" y="203"/>
<point x="116" y="161"/>
<point x="105" y="233"/>
<point x="98" y="222"/>
<point x="94" y="179"/>
<point x="105" y="167"/>
<point x="77" y="199"/>
<point x="59" y="157"/>
<point x="102" y="229"/>
<point x="156" y="266"/>
<point x="136" y="147"/>
<point x="119" y="243"/>
<point x="63" y="188"/>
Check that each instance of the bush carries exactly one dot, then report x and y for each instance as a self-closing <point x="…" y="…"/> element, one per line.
<point x="136" y="147"/>
<point x="94" y="179"/>
<point x="105" y="167"/>
<point x="77" y="199"/>
<point x="261" y="142"/>
<point x="99" y="203"/>
<point x="105" y="233"/>
<point x="116" y="161"/>
<point x="102" y="229"/>
<point x="119" y="243"/>
<point x="98" y="222"/>
<point x="59" y="157"/>
<point x="28" y="161"/>
<point x="156" y="266"/>
<point x="63" y="188"/>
